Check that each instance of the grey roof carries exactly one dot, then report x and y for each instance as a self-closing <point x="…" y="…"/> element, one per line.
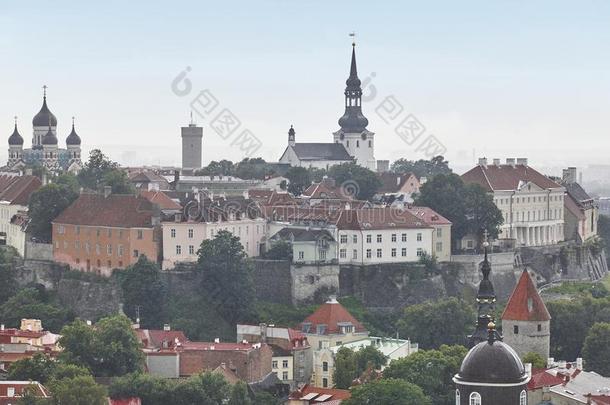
<point x="15" y="138"/>
<point x="303" y="235"/>
<point x="44" y="117"/>
<point x="577" y="192"/>
<point x="49" y="138"/>
<point x="353" y="121"/>
<point x="73" y="138"/>
<point x="321" y="151"/>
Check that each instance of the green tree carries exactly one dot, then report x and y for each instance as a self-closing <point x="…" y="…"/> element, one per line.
<point x="316" y="174"/>
<point x="29" y="396"/>
<point x="468" y="207"/>
<point x="370" y="357"/>
<point x="603" y="230"/>
<point x="68" y="180"/>
<point x="118" y="181"/>
<point x="224" y="168"/>
<point x="142" y="288"/>
<point x="31" y="303"/>
<point x="227" y="276"/>
<point x="8" y="282"/>
<point x="253" y="168"/>
<point x="596" y="351"/>
<point x="280" y="250"/>
<point x="78" y="343"/>
<point x="355" y="181"/>
<point x="299" y="179"/>
<point x="36" y="368"/>
<point x="346" y="368"/>
<point x="433" y="324"/>
<point x="432" y="370"/>
<point x="422" y="168"/>
<point x="117" y="347"/>
<point x="265" y="398"/>
<point x="80" y="390"/>
<point x="535" y="359"/>
<point x="571" y="321"/>
<point x="239" y="395"/>
<point x="388" y="392"/>
<point x="94" y="170"/>
<point x="45" y="205"/>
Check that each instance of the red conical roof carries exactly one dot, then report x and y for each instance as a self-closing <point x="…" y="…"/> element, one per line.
<point x="332" y="314"/>
<point x="525" y="303"/>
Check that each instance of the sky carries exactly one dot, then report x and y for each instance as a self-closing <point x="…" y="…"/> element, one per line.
<point x="485" y="78"/>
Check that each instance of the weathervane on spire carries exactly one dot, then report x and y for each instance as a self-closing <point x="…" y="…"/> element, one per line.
<point x="353" y="36"/>
<point x="15" y="120"/>
<point x="44" y="91"/>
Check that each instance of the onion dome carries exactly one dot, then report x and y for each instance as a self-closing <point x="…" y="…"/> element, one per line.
<point x="49" y="138"/>
<point x="44" y="116"/>
<point x="291" y="131"/>
<point x="492" y="362"/>
<point x="15" y="138"/>
<point x="73" y="138"/>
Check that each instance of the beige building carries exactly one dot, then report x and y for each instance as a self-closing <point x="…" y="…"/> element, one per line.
<point x="532" y="204"/>
<point x="15" y="192"/>
<point x="441" y="234"/>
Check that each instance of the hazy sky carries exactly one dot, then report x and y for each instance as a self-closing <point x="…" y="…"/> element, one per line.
<point x="504" y="78"/>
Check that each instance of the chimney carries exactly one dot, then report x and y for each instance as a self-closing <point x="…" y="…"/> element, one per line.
<point x="28" y="171"/>
<point x="496" y="162"/>
<point x="550" y="362"/>
<point x="398" y="180"/>
<point x="176" y="176"/>
<point x="528" y="369"/>
<point x="107" y="191"/>
<point x="483" y="162"/>
<point x="217" y="340"/>
<point x="166" y="327"/>
<point x="522" y="161"/>
<point x="263" y="327"/>
<point x="1" y="327"/>
<point x="88" y="323"/>
<point x="510" y="162"/>
<point x="569" y="175"/>
<point x="579" y="363"/>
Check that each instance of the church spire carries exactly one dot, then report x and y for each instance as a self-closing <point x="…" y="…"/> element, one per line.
<point x="486" y="299"/>
<point x="353" y="121"/>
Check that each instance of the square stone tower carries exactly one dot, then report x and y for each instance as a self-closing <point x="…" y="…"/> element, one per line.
<point x="192" y="138"/>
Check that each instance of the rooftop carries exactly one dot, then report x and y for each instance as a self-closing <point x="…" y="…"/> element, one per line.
<point x="507" y="177"/>
<point x="525" y="303"/>
<point x="329" y="318"/>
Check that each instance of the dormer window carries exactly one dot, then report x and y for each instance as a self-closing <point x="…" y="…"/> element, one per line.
<point x="306" y="327"/>
<point x="321" y="329"/>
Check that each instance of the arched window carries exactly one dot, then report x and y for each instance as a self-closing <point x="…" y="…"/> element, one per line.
<point x="523" y="398"/>
<point x="475" y="398"/>
<point x="457" y="397"/>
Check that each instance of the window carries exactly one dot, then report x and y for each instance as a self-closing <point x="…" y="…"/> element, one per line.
<point x="439" y="246"/>
<point x="140" y="234"/>
<point x="119" y="250"/>
<point x="284" y="375"/>
<point x="379" y="239"/>
<point x="191" y="250"/>
<point x="322" y="254"/>
<point x="136" y="253"/>
<point x="393" y="237"/>
<point x="301" y="255"/>
<point x="404" y="252"/>
<point x="368" y="254"/>
<point x="172" y="233"/>
<point x="284" y="363"/>
<point x="457" y="397"/>
<point x="61" y="229"/>
<point x="343" y="238"/>
<point x="78" y="230"/>
<point x="475" y="398"/>
<point x="191" y="234"/>
<point x="393" y="252"/>
<point x="321" y="329"/>
<point x="379" y="253"/>
<point x="357" y="143"/>
<point x="419" y="237"/>
<point x="370" y="144"/>
<point x="343" y="253"/>
<point x="439" y="232"/>
<point x="325" y="366"/>
<point x="355" y="238"/>
<point x="523" y="398"/>
<point x="109" y="249"/>
<point x="109" y="263"/>
<point x="368" y="238"/>
<point x="404" y="237"/>
<point x="110" y="232"/>
<point x="354" y="254"/>
<point x="539" y="327"/>
<point x="98" y="231"/>
<point x="516" y="329"/>
<point x="10" y="392"/>
<point x="420" y="252"/>
<point x="97" y="248"/>
<point x="325" y="383"/>
<point x="274" y="364"/>
<point x="120" y="233"/>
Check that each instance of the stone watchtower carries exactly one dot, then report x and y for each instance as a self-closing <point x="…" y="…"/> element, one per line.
<point x="526" y="323"/>
<point x="192" y="137"/>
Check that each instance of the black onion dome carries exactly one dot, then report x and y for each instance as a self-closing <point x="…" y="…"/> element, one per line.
<point x="49" y="138"/>
<point x="353" y="121"/>
<point x="291" y="131"/>
<point x="73" y="138"/>
<point x="15" y="138"/>
<point x="44" y="116"/>
<point x="492" y="362"/>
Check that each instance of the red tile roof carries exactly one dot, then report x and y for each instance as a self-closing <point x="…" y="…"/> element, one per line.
<point x="323" y="190"/>
<point x="19" y="386"/>
<point x="153" y="338"/>
<point x="331" y="314"/>
<point x="393" y="182"/>
<point x="116" y="210"/>
<point x="507" y="177"/>
<point x="379" y="218"/>
<point x="161" y="199"/>
<point x="335" y="394"/>
<point x="525" y="303"/>
<point x="17" y="189"/>
<point x="428" y="215"/>
<point x="220" y="346"/>
<point x="541" y="378"/>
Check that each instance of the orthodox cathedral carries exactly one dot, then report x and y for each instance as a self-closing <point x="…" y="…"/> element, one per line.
<point x="45" y="151"/>
<point x="353" y="142"/>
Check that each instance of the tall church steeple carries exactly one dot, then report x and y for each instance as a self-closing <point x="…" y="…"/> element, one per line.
<point x="486" y="300"/>
<point x="353" y="121"/>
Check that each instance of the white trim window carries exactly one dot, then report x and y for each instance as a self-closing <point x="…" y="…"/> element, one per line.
<point x="523" y="398"/>
<point x="475" y="399"/>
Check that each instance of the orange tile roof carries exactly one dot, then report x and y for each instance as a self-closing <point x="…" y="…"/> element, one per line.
<point x="506" y="177"/>
<point x="525" y="303"/>
<point x="331" y="314"/>
<point x="428" y="215"/>
<point x="161" y="199"/>
<point x="335" y="394"/>
<point x="17" y="189"/>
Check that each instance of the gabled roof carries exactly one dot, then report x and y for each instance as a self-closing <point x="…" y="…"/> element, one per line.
<point x="541" y="378"/>
<point x="116" y="210"/>
<point x="17" y="189"/>
<point x="154" y="338"/>
<point x="303" y="235"/>
<point x="525" y="303"/>
<point x="572" y="206"/>
<point x="507" y="177"/>
<point x="331" y="314"/>
<point x="428" y="215"/>
<point x="161" y="199"/>
<point x="323" y="190"/>
<point x="330" y="394"/>
<point x="321" y="151"/>
<point x="379" y="218"/>
<point x="393" y="182"/>
<point x="577" y="193"/>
